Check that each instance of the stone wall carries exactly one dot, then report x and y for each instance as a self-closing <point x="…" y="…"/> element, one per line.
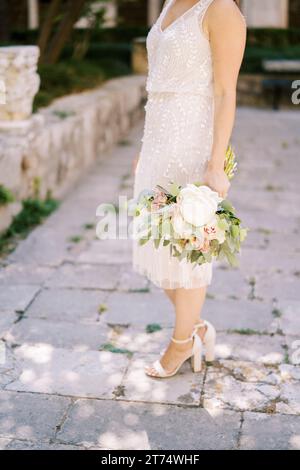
<point x="18" y="72"/>
<point x="55" y="146"/>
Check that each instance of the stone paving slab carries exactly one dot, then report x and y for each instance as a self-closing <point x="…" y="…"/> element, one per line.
<point x="277" y="286"/>
<point x="270" y="432"/>
<point x="241" y="386"/>
<point x="18" y="444"/>
<point x="290" y="398"/>
<point x="85" y="276"/>
<point x="45" y="369"/>
<point x="107" y="252"/>
<point x="7" y="320"/>
<point x="290" y="319"/>
<point x="43" y="246"/>
<point x="239" y="315"/>
<point x="262" y="263"/>
<point x="18" y="273"/>
<point x="184" y="388"/>
<point x="30" y="416"/>
<point x="131" y="281"/>
<point x="17" y="298"/>
<point x="227" y="283"/>
<point x="260" y="220"/>
<point x="79" y="337"/>
<point x="134" y="426"/>
<point x="69" y="305"/>
<point x="138" y="308"/>
<point x="262" y="349"/>
<point x="293" y="349"/>
<point x="138" y="339"/>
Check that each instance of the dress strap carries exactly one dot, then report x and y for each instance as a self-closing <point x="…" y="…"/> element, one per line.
<point x="165" y="4"/>
<point x="201" y="9"/>
<point x="202" y="6"/>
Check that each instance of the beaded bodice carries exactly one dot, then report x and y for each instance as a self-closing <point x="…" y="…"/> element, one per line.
<point x="179" y="55"/>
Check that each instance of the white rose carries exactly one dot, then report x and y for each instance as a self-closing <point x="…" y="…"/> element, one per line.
<point x="198" y="204"/>
<point x="181" y="227"/>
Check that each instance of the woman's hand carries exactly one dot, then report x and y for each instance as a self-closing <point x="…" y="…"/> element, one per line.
<point x="217" y="180"/>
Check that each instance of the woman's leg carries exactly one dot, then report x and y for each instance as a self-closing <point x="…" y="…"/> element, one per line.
<point x="188" y="305"/>
<point x="171" y="294"/>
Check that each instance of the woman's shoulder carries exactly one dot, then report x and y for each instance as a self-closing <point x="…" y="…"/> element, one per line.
<point x="226" y="11"/>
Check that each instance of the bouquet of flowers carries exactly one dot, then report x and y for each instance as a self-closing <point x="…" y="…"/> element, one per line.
<point x="193" y="221"/>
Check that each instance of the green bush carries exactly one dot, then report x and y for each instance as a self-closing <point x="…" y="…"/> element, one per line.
<point x="33" y="212"/>
<point x="98" y="51"/>
<point x="123" y="34"/>
<point x="273" y="37"/>
<point x="71" y="76"/>
<point x="270" y="43"/>
<point x="117" y="34"/>
<point x="6" y="196"/>
<point x="254" y="55"/>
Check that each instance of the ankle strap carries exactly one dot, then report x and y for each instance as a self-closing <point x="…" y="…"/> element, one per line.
<point x="182" y="341"/>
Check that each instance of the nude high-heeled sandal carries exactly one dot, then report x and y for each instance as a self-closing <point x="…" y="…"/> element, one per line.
<point x="209" y="340"/>
<point x="196" y="357"/>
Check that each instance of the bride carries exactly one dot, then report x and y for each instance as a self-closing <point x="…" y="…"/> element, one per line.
<point x="195" y="50"/>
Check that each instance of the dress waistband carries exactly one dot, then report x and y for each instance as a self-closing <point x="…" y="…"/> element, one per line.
<point x="154" y="94"/>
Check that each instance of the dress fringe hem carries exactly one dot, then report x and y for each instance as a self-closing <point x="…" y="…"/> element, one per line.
<point x="167" y="284"/>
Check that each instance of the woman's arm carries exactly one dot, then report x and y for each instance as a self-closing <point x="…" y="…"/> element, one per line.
<point x="134" y="163"/>
<point x="226" y="29"/>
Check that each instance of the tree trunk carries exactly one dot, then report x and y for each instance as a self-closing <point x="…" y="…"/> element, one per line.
<point x="64" y="31"/>
<point x="47" y="26"/>
<point x="4" y="21"/>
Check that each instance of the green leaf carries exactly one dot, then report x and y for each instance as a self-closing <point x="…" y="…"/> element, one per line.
<point x="235" y="231"/>
<point x="227" y="206"/>
<point x="143" y="241"/>
<point x="174" y="189"/>
<point x="157" y="242"/>
<point x="207" y="257"/>
<point x="195" y="255"/>
<point x="222" y="223"/>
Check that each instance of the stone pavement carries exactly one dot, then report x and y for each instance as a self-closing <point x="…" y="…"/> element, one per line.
<point x="76" y="321"/>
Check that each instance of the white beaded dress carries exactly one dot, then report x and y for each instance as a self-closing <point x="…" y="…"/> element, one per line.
<point x="178" y="131"/>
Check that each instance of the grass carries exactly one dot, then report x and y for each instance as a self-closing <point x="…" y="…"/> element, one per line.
<point x="246" y="332"/>
<point x="6" y="196"/>
<point x="76" y="238"/>
<point x="111" y="348"/>
<point x="152" y="327"/>
<point x="33" y="212"/>
<point x="63" y="114"/>
<point x="270" y="187"/>
<point x="264" y="231"/>
<point x="89" y="226"/>
<point x="102" y="308"/>
<point x="72" y="76"/>
<point x="276" y="312"/>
